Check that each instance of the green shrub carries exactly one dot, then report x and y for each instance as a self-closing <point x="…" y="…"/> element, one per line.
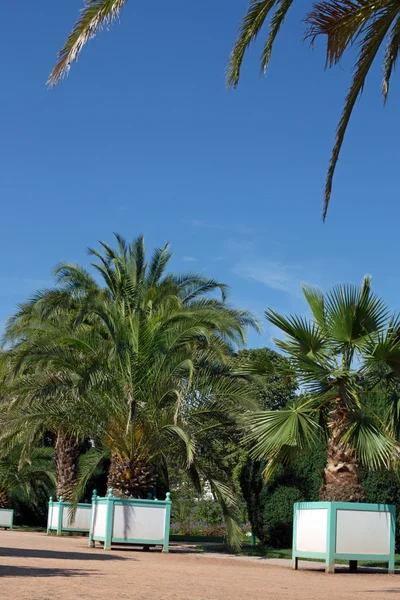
<point x="270" y="504"/>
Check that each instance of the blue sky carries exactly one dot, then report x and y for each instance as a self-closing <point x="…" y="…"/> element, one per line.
<point x="144" y="137"/>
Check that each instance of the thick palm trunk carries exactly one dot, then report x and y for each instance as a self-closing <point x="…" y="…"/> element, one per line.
<point x="4" y="499"/>
<point x="342" y="474"/>
<point x="130" y="478"/>
<point x="66" y="454"/>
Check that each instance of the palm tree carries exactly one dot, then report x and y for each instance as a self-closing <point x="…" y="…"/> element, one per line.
<point x="366" y="24"/>
<point x="335" y="355"/>
<point x="28" y="480"/>
<point x="143" y="368"/>
<point x="35" y="322"/>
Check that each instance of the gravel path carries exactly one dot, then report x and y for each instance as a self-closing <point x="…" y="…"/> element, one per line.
<point x="34" y="566"/>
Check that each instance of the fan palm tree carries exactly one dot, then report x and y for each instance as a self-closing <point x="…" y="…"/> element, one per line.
<point x="142" y="369"/>
<point x="335" y="355"/>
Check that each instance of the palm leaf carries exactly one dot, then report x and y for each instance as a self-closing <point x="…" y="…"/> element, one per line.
<point x="95" y="15"/>
<point x="332" y="18"/>
<point x="251" y="26"/>
<point x="276" y="23"/>
<point x="375" y="448"/>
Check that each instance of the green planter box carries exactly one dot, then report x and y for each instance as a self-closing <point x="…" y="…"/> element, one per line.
<point x="344" y="531"/>
<point x="59" y="517"/>
<point x="6" y="518"/>
<point x="130" y="521"/>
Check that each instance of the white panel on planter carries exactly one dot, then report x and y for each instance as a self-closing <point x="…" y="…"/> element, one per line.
<point x="54" y="516"/>
<point x="311" y="530"/>
<point x="138" y="522"/>
<point x="6" y="517"/>
<point x="362" y="532"/>
<point x="99" y="520"/>
<point x="80" y="521"/>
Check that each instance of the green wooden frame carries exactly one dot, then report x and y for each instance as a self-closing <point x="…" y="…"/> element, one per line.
<point x="12" y="518"/>
<point x="61" y="505"/>
<point x="110" y="501"/>
<point x="331" y="555"/>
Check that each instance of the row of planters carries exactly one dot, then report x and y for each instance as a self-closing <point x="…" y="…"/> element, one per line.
<point x="113" y="520"/>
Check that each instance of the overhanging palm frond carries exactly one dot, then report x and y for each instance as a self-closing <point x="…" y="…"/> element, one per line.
<point x="276" y="23"/>
<point x="230" y="511"/>
<point x="344" y="21"/>
<point x="391" y="56"/>
<point x="252" y="23"/>
<point x="95" y="15"/>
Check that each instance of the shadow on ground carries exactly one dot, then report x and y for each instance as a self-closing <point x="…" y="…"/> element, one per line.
<point x="13" y="571"/>
<point x="55" y="554"/>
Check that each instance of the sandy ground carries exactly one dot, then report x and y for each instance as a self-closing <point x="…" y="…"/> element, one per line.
<point x="38" y="567"/>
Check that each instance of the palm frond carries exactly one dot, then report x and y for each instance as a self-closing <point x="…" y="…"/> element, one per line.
<point x="375" y="448"/>
<point x="276" y="23"/>
<point x="343" y="21"/>
<point x="252" y="23"/>
<point x="273" y="433"/>
<point x="392" y="53"/>
<point x="95" y="15"/>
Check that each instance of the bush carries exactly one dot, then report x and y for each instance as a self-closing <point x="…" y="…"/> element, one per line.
<point x="270" y="504"/>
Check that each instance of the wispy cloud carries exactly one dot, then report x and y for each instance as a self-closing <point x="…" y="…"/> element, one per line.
<point x="275" y="275"/>
<point x="189" y="259"/>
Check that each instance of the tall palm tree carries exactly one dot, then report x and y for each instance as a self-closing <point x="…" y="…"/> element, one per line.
<point x="143" y="368"/>
<point x="335" y="355"/>
<point x="366" y="24"/>
<point x="35" y="322"/>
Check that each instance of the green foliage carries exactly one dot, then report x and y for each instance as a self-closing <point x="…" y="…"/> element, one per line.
<point x="272" y="382"/>
<point x="270" y="503"/>
<point x="28" y="483"/>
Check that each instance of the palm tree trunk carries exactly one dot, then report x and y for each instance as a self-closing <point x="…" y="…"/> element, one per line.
<point x="341" y="481"/>
<point x="130" y="478"/>
<point x="4" y="499"/>
<point x="66" y="454"/>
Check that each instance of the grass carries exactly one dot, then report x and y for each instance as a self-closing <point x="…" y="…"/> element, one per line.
<point x="266" y="552"/>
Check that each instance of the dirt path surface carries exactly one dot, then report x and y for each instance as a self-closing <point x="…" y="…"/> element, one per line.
<point x="38" y="567"/>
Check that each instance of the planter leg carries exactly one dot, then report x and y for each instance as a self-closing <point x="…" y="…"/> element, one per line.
<point x="391" y="566"/>
<point x="353" y="565"/>
<point x="295" y="563"/>
<point x="329" y="567"/>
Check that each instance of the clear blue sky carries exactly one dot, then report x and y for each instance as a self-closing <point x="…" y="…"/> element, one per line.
<point x="144" y="137"/>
